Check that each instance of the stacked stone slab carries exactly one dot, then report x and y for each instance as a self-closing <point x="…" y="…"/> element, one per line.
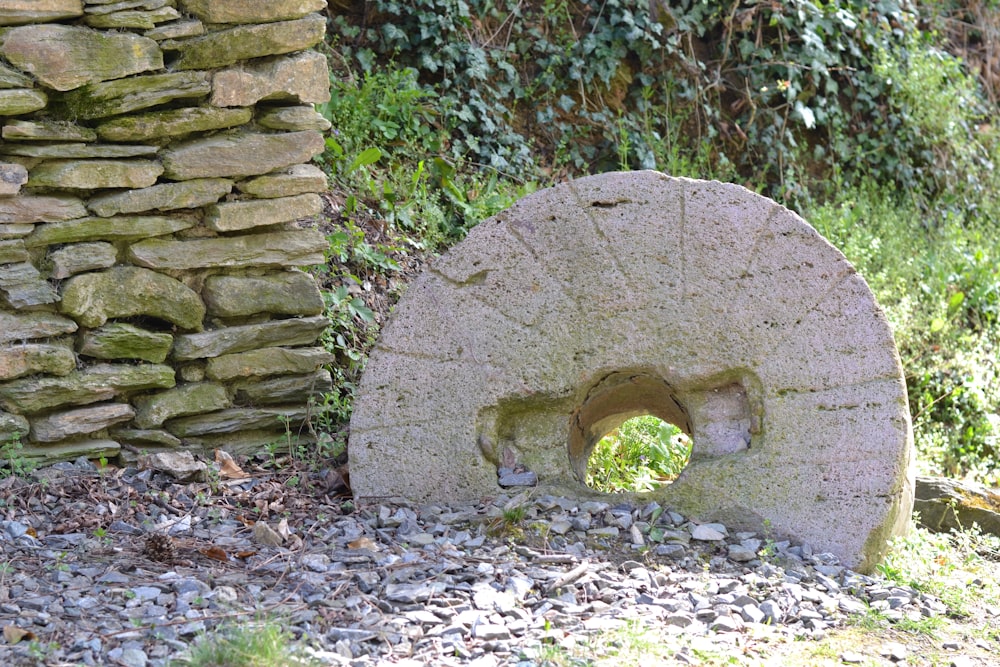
<point x="154" y="180"/>
<point x="621" y="295"/>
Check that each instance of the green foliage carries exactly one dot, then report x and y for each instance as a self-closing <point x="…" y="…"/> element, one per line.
<point x="739" y="87"/>
<point x="262" y="643"/>
<point x="944" y="565"/>
<point x="938" y="279"/>
<point x="641" y="454"/>
<point x="12" y="458"/>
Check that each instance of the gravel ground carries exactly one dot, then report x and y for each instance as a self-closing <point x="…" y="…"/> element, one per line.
<point x="130" y="567"/>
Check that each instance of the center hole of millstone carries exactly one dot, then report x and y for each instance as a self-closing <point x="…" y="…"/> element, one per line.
<point x="641" y="454"/>
<point x="630" y="433"/>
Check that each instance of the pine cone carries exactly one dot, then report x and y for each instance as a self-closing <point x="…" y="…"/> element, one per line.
<point x="160" y="548"/>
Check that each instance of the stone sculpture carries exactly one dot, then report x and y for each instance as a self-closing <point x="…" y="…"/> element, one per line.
<point x="625" y="294"/>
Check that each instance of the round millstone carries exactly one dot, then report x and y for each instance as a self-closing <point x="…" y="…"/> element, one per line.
<point x="623" y="294"/>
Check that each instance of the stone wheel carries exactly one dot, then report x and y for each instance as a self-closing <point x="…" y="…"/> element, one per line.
<point x="625" y="294"/>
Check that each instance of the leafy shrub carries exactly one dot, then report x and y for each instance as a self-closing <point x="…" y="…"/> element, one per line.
<point x="939" y="285"/>
<point x="643" y="453"/>
<point x="775" y="92"/>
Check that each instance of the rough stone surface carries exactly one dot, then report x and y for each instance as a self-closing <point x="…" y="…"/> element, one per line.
<point x="92" y="298"/>
<point x="12" y="177"/>
<point x="175" y="122"/>
<point x="21" y="100"/>
<point x="82" y="421"/>
<point x="120" y="340"/>
<point x="559" y="319"/>
<point x="67" y="57"/>
<point x="284" y="293"/>
<point x="293" y="248"/>
<point x="266" y="361"/>
<point x="251" y="11"/>
<point x="245" y="154"/>
<point x="228" y="340"/>
<point x="26" y="326"/>
<point x="46" y="130"/>
<point x="32" y="209"/>
<point x="225" y="47"/>
<point x="954" y="505"/>
<point x="189" y="399"/>
<point x="17" y="361"/>
<point x="79" y="257"/>
<point x="17" y="12"/>
<point x="295" y="180"/>
<point x="163" y="197"/>
<point x="234" y="216"/>
<point x="91" y="174"/>
<point x="123" y="227"/>
<point x="303" y="77"/>
<point x="96" y="383"/>
<point x="110" y="98"/>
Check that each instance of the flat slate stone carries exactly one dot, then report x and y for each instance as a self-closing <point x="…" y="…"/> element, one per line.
<point x="267" y="361"/>
<point x="12" y="177"/>
<point x="141" y="20"/>
<point x="171" y="123"/>
<point x="21" y="101"/>
<point x="293" y="248"/>
<point x="187" y="399"/>
<point x="164" y="197"/>
<point x="124" y="227"/>
<point x="18" y="12"/>
<point x="242" y="154"/>
<point x="226" y="47"/>
<point x="111" y="98"/>
<point x="303" y="78"/>
<point x="120" y="340"/>
<point x="233" y="216"/>
<point x="294" y="180"/>
<point x="20" y="360"/>
<point x="95" y="383"/>
<point x="126" y="291"/>
<point x="294" y="119"/>
<point x="234" y="420"/>
<point x="227" y="340"/>
<point x="79" y="421"/>
<point x="79" y="257"/>
<point x="77" y="150"/>
<point x="47" y="130"/>
<point x="28" y="326"/>
<point x="94" y="174"/>
<point x="701" y="303"/>
<point x="284" y="293"/>
<point x="251" y="11"/>
<point x="282" y="388"/>
<point x="31" y="209"/>
<point x="65" y="57"/>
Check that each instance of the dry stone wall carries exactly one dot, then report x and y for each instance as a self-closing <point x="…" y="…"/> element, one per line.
<point x="154" y="179"/>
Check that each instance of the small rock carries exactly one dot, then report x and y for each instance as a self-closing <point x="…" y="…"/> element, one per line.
<point x="707" y="533"/>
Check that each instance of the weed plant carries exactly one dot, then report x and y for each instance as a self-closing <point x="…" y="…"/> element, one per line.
<point x="263" y="643"/>
<point x="640" y="455"/>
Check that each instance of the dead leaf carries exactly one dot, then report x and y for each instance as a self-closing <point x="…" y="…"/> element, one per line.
<point x="31" y="532"/>
<point x="228" y="468"/>
<point x="266" y="535"/>
<point x="243" y="555"/>
<point x="363" y="543"/>
<point x="14" y="634"/>
<point x="283" y="529"/>
<point x="215" y="553"/>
